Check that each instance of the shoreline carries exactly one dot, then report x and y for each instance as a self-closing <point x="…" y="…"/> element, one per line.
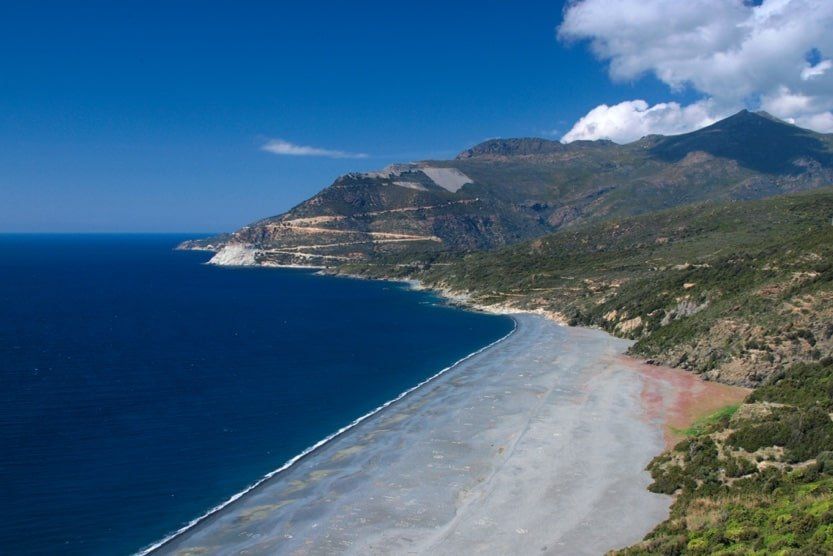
<point x="462" y="299"/>
<point x="455" y="298"/>
<point x="682" y="417"/>
<point x="155" y="546"/>
<point x="674" y="416"/>
<point x="320" y="475"/>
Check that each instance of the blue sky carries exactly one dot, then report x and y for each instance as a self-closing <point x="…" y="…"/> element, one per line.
<point x="152" y="116"/>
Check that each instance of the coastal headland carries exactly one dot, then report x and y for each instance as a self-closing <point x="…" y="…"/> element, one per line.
<point x="536" y="445"/>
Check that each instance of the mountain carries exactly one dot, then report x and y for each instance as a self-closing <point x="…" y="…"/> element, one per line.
<point x="757" y="141"/>
<point x="505" y="191"/>
<point x="733" y="291"/>
<point x="712" y="250"/>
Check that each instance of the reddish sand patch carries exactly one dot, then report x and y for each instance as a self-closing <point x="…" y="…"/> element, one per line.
<point x="678" y="398"/>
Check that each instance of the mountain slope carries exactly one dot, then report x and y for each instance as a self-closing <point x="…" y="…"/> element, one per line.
<point x="509" y="190"/>
<point x="732" y="291"/>
<point x="756" y="141"/>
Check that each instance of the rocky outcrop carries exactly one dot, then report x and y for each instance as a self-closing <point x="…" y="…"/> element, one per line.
<point x="512" y="147"/>
<point x="234" y="254"/>
<point x="684" y="308"/>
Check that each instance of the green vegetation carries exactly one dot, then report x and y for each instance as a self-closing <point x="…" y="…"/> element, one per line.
<point x="704" y="424"/>
<point x="804" y="385"/>
<point x="737" y="291"/>
<point x="802" y="432"/>
<point x="756" y="480"/>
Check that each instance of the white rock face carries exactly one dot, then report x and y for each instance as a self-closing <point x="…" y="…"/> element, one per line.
<point x="450" y="179"/>
<point x="234" y="255"/>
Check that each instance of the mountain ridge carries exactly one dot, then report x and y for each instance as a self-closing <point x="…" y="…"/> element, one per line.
<point x="504" y="191"/>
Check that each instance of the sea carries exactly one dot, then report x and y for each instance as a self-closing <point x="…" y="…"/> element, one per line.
<point x="140" y="387"/>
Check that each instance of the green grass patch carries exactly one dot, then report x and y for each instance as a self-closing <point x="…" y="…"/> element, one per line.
<point x="709" y="422"/>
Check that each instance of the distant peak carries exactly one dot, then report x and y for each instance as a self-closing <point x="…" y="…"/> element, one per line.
<point x="745" y="121"/>
<point x="755" y="140"/>
<point x="768" y="116"/>
<point x="512" y="147"/>
<point x="742" y="115"/>
<point x="749" y="116"/>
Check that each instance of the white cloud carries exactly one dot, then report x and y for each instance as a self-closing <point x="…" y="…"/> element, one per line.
<point x="811" y="72"/>
<point x="822" y="122"/>
<point x="736" y="54"/>
<point x="285" y="148"/>
<point x="632" y="119"/>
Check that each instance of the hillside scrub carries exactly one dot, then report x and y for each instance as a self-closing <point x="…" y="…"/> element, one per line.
<point x="734" y="291"/>
<point x="758" y="480"/>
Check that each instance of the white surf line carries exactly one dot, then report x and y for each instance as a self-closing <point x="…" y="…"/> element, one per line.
<point x="317" y="445"/>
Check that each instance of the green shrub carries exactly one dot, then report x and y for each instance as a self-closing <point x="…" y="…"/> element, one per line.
<point x="804" y="385"/>
<point x="803" y="433"/>
<point x="825" y="462"/>
<point x="738" y="467"/>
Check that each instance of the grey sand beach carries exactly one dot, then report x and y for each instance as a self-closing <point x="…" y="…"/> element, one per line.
<point x="537" y="445"/>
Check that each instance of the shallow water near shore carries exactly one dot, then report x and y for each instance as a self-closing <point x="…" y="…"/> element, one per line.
<point x="139" y="387"/>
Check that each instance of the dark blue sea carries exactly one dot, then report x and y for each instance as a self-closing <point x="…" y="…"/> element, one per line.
<point x="140" y="387"/>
